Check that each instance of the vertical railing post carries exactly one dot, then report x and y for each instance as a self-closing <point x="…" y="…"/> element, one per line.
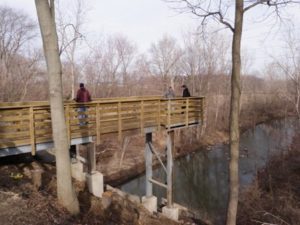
<point x="119" y="122"/>
<point x="187" y="112"/>
<point x="98" y="124"/>
<point x="148" y="164"/>
<point x="169" y="114"/>
<point x="158" y="116"/>
<point x="142" y="117"/>
<point x="32" y="131"/>
<point x="170" y="152"/>
<point x="202" y="109"/>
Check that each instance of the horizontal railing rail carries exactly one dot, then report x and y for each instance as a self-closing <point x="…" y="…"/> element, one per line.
<point x="29" y="123"/>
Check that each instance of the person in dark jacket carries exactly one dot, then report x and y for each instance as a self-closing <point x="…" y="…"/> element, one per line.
<point x="185" y="92"/>
<point x="83" y="95"/>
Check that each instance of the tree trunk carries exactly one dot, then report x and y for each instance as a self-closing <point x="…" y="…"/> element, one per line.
<point x="65" y="191"/>
<point x="234" y="115"/>
<point x="297" y="99"/>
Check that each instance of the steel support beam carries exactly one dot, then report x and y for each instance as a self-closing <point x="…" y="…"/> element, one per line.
<point x="148" y="162"/>
<point x="91" y="156"/>
<point x="170" y="151"/>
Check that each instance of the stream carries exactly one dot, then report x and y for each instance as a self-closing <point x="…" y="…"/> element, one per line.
<point x="201" y="178"/>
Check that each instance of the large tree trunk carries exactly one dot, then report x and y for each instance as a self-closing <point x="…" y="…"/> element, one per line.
<point x="234" y="114"/>
<point x="65" y="191"/>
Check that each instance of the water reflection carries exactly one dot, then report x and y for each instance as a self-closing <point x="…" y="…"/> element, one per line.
<point x="201" y="179"/>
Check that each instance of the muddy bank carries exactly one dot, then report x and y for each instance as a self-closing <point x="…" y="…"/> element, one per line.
<point x="23" y="201"/>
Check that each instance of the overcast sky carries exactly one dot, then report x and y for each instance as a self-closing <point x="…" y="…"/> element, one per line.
<point x="146" y="21"/>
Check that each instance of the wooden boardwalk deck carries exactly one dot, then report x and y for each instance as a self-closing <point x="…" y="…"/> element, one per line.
<point x="26" y="126"/>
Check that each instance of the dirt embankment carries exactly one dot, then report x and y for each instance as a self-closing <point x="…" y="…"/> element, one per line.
<point x="25" y="201"/>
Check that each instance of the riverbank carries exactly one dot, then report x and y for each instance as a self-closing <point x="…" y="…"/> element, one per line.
<point x="274" y="198"/>
<point x="22" y="202"/>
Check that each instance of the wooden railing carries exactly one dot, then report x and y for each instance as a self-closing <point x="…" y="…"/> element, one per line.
<point x="29" y="123"/>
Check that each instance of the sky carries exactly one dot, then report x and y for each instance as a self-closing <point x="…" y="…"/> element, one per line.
<point x="146" y="21"/>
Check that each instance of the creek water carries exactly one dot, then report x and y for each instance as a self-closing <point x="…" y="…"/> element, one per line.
<point x="201" y="178"/>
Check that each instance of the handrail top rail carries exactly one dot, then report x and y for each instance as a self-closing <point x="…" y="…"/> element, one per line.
<point x="14" y="105"/>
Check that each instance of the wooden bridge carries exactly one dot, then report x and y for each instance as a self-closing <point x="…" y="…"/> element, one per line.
<point x="26" y="126"/>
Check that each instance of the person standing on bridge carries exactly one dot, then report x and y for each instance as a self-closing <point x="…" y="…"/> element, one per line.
<point x="83" y="95"/>
<point x="169" y="93"/>
<point x="185" y="92"/>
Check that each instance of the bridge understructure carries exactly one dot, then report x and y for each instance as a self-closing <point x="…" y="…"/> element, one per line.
<point x="26" y="127"/>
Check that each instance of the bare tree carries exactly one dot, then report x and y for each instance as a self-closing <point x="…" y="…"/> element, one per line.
<point x="290" y="67"/>
<point x="144" y="82"/>
<point x="17" y="31"/>
<point x="220" y="11"/>
<point x="102" y="70"/>
<point x="192" y="61"/>
<point x="126" y="52"/>
<point x="204" y="56"/>
<point x="70" y="27"/>
<point x="65" y="191"/>
<point x="164" y="58"/>
<point x="109" y="64"/>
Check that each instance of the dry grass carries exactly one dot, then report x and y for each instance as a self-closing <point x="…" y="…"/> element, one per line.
<point x="275" y="196"/>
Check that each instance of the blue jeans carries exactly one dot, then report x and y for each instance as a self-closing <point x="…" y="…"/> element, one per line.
<point x="82" y="116"/>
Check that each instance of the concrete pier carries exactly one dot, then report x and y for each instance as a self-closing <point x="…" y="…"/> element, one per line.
<point x="171" y="212"/>
<point x="95" y="183"/>
<point x="150" y="203"/>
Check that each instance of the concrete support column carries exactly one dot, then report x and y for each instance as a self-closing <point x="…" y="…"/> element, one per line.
<point x="148" y="162"/>
<point x="95" y="183"/>
<point x="94" y="178"/>
<point x="150" y="203"/>
<point x="171" y="212"/>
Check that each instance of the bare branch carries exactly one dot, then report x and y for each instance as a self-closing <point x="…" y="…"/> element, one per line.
<point x="204" y="11"/>
<point x="77" y="35"/>
<point x="270" y="3"/>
